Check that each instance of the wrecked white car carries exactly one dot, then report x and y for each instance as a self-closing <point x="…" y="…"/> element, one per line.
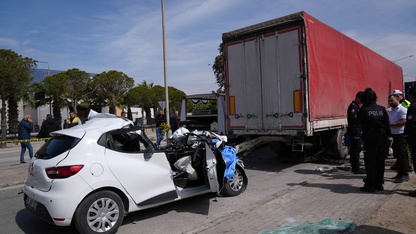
<point x="92" y="175"/>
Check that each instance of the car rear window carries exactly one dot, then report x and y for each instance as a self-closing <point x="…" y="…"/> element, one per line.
<point x="56" y="146"/>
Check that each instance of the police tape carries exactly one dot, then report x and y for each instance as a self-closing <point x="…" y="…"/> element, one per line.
<point x="22" y="141"/>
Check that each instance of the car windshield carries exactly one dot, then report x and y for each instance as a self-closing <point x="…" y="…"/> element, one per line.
<point x="56" y="146"/>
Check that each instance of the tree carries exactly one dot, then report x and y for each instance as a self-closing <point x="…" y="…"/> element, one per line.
<point x="175" y="97"/>
<point x="159" y="95"/>
<point x="143" y="96"/>
<point x="218" y="68"/>
<point x="14" y="82"/>
<point x="112" y="86"/>
<point x="55" y="88"/>
<point x="75" y="86"/>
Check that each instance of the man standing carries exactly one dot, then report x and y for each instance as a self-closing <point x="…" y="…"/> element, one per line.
<point x="410" y="129"/>
<point x="397" y="118"/>
<point x="405" y="103"/>
<point x="24" y="128"/>
<point x="174" y="121"/>
<point x="160" y="119"/>
<point x="354" y="133"/>
<point x="72" y="121"/>
<point x="49" y="125"/>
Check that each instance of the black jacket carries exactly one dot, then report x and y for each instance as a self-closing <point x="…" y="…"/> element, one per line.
<point x="47" y="127"/>
<point x="354" y="127"/>
<point x="410" y="126"/>
<point x="374" y="119"/>
<point x="159" y="120"/>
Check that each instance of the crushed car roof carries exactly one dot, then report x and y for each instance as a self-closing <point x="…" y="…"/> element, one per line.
<point x="100" y="123"/>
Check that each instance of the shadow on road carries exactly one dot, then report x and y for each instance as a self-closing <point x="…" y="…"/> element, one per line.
<point x="30" y="224"/>
<point x="366" y="229"/>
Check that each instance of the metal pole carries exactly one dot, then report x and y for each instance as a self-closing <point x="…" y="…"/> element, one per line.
<point x="402" y="58"/>
<point x="165" y="67"/>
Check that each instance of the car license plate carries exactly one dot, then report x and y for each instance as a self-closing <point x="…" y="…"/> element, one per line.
<point x="31" y="203"/>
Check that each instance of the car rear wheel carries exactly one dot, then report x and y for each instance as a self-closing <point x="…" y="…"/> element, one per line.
<point x="237" y="184"/>
<point x="100" y="212"/>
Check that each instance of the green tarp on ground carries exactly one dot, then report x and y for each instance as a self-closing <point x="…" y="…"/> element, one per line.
<point x="326" y="226"/>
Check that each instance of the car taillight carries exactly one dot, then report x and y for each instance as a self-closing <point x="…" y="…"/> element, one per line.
<point x="63" y="172"/>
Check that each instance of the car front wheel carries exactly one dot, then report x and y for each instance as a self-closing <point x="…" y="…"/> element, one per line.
<point x="237" y="184"/>
<point x="100" y="212"/>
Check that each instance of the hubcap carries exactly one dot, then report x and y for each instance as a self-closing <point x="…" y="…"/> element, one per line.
<point x="236" y="182"/>
<point x="103" y="215"/>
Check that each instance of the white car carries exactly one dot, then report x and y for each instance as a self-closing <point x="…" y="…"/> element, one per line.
<point x="93" y="174"/>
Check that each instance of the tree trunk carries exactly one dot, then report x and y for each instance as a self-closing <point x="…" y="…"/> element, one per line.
<point x="148" y="115"/>
<point x="129" y="114"/>
<point x="56" y="109"/>
<point x="13" y="114"/>
<point x="3" y="122"/>
<point x="112" y="110"/>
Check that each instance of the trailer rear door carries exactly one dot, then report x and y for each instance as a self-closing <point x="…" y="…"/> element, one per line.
<point x="265" y="89"/>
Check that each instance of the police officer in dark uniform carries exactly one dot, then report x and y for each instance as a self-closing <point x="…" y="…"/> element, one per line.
<point x="376" y="135"/>
<point x="354" y="133"/>
<point x="410" y="129"/>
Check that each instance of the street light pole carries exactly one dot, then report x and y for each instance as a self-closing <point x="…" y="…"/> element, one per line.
<point x="165" y="67"/>
<point x="403" y="58"/>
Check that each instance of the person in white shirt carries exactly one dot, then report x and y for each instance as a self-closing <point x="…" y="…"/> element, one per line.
<point x="397" y="117"/>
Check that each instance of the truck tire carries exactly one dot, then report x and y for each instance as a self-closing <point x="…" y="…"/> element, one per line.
<point x="342" y="147"/>
<point x="335" y="146"/>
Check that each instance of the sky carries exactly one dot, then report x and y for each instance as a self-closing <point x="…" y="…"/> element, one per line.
<point x="126" y="35"/>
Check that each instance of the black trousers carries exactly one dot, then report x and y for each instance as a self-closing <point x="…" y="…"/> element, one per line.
<point x="412" y="143"/>
<point x="400" y="151"/>
<point x="354" y="151"/>
<point x="375" y="146"/>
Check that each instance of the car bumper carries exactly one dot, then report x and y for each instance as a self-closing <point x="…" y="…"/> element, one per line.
<point x="54" y="207"/>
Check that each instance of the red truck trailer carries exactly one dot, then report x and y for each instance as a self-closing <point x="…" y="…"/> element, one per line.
<point x="291" y="79"/>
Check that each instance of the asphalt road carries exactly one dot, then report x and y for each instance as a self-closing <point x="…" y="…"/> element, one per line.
<point x="180" y="217"/>
<point x="277" y="194"/>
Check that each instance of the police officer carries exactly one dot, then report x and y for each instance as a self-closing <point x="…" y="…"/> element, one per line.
<point x="410" y="129"/>
<point x="376" y="135"/>
<point x="354" y="133"/>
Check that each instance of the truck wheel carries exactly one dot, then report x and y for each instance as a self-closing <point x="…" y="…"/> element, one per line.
<point x="100" y="212"/>
<point x="342" y="147"/>
<point x="237" y="184"/>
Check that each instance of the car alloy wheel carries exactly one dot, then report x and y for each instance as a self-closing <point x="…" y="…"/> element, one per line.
<point x="237" y="181"/>
<point x="237" y="184"/>
<point x="101" y="212"/>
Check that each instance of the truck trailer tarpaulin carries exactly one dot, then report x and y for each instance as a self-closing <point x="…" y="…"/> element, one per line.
<point x="335" y="66"/>
<point x="293" y="78"/>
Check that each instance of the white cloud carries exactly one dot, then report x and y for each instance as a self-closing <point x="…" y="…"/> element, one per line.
<point x="8" y="42"/>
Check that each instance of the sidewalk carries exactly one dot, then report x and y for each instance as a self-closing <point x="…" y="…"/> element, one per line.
<point x="333" y="195"/>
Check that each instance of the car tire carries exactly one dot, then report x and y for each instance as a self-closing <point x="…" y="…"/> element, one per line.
<point x="101" y="212"/>
<point x="237" y="184"/>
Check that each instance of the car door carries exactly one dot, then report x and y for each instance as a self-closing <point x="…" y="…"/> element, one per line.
<point x="211" y="169"/>
<point x="144" y="173"/>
